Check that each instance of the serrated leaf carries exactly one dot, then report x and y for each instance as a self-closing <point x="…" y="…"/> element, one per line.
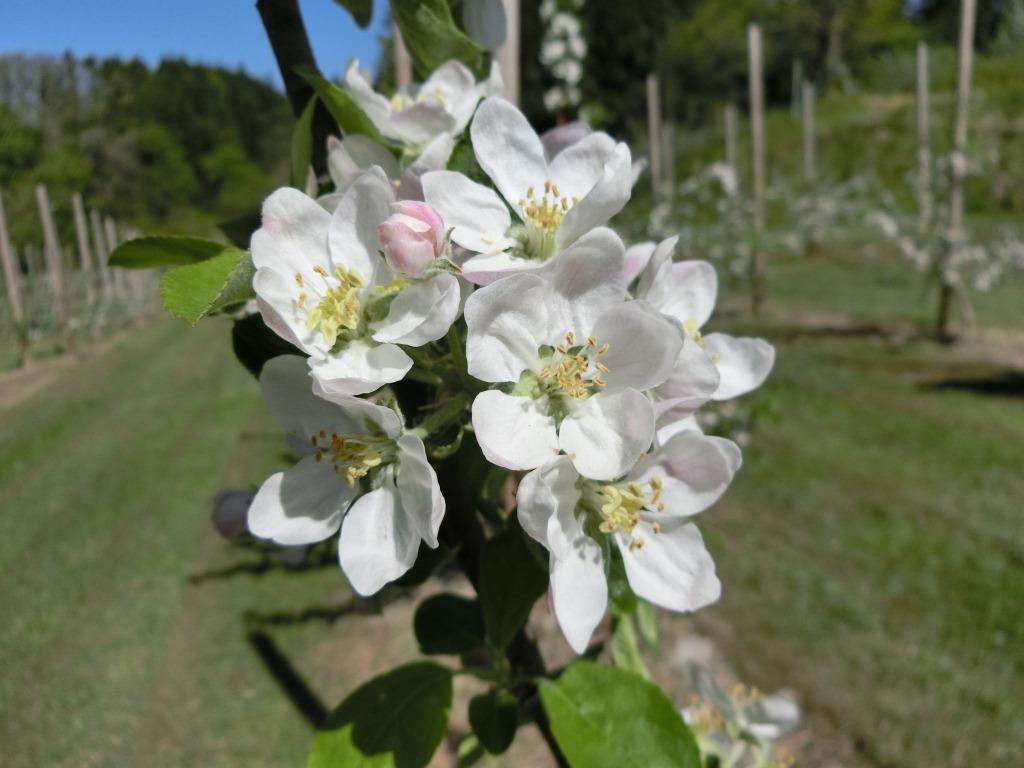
<point x="164" y="250"/>
<point x="494" y="717"/>
<point x="511" y="580"/>
<point x="449" y="624"/>
<point x="194" y="291"/>
<point x="361" y="10"/>
<point x="431" y="36"/>
<point x="346" y="113"/>
<point x="302" y="146"/>
<point x="396" y="720"/>
<point x="625" y="650"/>
<point x="605" y="716"/>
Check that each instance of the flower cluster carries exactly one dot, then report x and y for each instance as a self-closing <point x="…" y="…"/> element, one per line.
<point x="585" y="360"/>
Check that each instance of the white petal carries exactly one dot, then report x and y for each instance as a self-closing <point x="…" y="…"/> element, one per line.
<point x="507" y="323"/>
<point x="358" y="153"/>
<point x="581" y="165"/>
<point x="586" y="281"/>
<point x="477" y="217"/>
<point x="685" y="290"/>
<point x="417" y="485"/>
<point x="353" y="236"/>
<point x="455" y="88"/>
<point x="359" y="368"/>
<point x="277" y="299"/>
<point x="301" y="505"/>
<point x="605" y="434"/>
<point x="670" y="425"/>
<point x="672" y="569"/>
<point x="419" y="124"/>
<point x="695" y="471"/>
<point x="637" y="257"/>
<point x="486" y="269"/>
<point x="378" y="544"/>
<point x="507" y="149"/>
<point x="562" y="136"/>
<point x="293" y="235"/>
<point x="643" y="346"/>
<point x="606" y="199"/>
<point x="375" y="105"/>
<point x="513" y="432"/>
<point x="693" y="381"/>
<point x="743" y="363"/>
<point x="579" y="591"/>
<point x="661" y="256"/>
<point x="546" y="504"/>
<point x="421" y="313"/>
<point x="434" y="157"/>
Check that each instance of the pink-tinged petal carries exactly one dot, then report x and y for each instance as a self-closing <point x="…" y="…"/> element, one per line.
<point x="695" y="470"/>
<point x="562" y="136"/>
<point x="637" y="257"/>
<point x="743" y="363"/>
<point x="692" y="382"/>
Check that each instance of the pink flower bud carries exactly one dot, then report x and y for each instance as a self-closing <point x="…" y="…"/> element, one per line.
<point x="413" y="236"/>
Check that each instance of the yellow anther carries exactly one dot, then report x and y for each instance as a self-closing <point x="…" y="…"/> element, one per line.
<point x="547" y="187"/>
<point x="320" y="270"/>
<point x="599" y="382"/>
<point x="529" y="192"/>
<point x="575" y="199"/>
<point x="554" y="191"/>
<point x="601" y="367"/>
<point x="603" y="349"/>
<point x="591" y="341"/>
<point x="656" y="527"/>
<point x="635" y="544"/>
<point x="570" y="337"/>
<point x="298" y="279"/>
<point x="339" y="306"/>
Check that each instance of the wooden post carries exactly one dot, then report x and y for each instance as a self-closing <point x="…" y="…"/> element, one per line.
<point x="654" y="133"/>
<point x="731" y="154"/>
<point x="757" y="263"/>
<point x="958" y="168"/>
<point x="668" y="153"/>
<point x="403" y="64"/>
<point x="508" y="53"/>
<point x="51" y="250"/>
<point x="110" y="230"/>
<point x="924" y="151"/>
<point x="810" y="170"/>
<point x="12" y="279"/>
<point x="100" y="244"/>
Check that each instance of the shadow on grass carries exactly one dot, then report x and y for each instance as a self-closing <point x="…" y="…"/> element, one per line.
<point x="328" y="614"/>
<point x="1001" y="384"/>
<point x="292" y="684"/>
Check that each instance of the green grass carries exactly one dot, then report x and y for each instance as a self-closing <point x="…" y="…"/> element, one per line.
<point x="872" y="550"/>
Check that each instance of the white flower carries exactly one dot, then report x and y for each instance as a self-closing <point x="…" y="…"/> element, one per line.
<point x="349" y="158"/>
<point x="358" y="472"/>
<point x="555" y="203"/>
<point x="713" y="366"/>
<point x="644" y="514"/>
<point x="575" y="359"/>
<point x="321" y="284"/>
<point x="442" y="104"/>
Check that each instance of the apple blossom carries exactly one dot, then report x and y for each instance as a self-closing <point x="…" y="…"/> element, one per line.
<point x="574" y="359"/>
<point x="349" y="158"/>
<point x="555" y="203"/>
<point x="443" y="104"/>
<point x="412" y="237"/>
<point x="321" y="284"/>
<point x="359" y="472"/>
<point x="643" y="513"/>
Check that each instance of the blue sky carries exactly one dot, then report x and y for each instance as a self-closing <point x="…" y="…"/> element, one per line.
<point x="225" y="32"/>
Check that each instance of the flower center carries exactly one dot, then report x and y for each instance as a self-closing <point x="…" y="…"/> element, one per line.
<point x="617" y="506"/>
<point x="542" y="216"/>
<point x="574" y="370"/>
<point x="339" y="306"/>
<point x="352" y="457"/>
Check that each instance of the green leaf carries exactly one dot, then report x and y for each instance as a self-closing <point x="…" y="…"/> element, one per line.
<point x="494" y="717"/>
<point x="511" y="580"/>
<point x="605" y="716"/>
<point x="430" y="34"/>
<point x="621" y="598"/>
<point x="164" y="250"/>
<point x="361" y="10"/>
<point x="254" y="343"/>
<point x="194" y="291"/>
<point x="449" y="624"/>
<point x="646" y="623"/>
<point x="463" y="160"/>
<point x="625" y="651"/>
<point x="346" y="113"/>
<point x="396" y="720"/>
<point x="302" y="146"/>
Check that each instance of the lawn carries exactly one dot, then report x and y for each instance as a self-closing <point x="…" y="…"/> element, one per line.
<point x="871" y="551"/>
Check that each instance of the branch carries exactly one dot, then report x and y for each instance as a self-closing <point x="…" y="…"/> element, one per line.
<point x="286" y="32"/>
